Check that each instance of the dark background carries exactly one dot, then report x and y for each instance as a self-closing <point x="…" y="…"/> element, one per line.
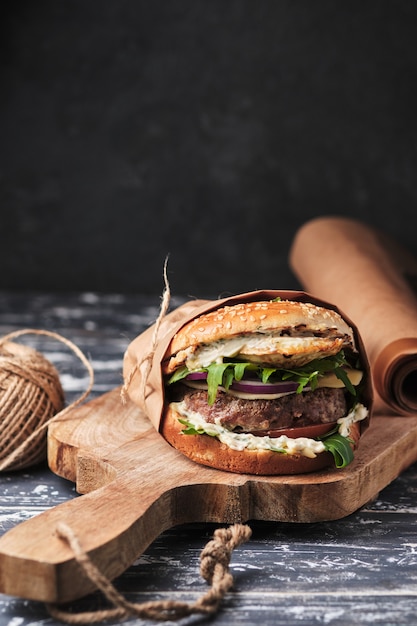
<point x="206" y="130"/>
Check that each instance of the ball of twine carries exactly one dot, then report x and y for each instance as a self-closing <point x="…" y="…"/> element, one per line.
<point x="31" y="397"/>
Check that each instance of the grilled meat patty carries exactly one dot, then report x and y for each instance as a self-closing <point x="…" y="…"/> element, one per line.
<point x="324" y="405"/>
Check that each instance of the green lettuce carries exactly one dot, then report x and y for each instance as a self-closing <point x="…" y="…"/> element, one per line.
<point x="340" y="448"/>
<point x="223" y="374"/>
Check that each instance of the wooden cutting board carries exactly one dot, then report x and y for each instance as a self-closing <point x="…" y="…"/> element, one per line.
<point x="135" y="486"/>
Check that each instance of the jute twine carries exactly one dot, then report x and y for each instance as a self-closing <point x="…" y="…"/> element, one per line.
<point x="147" y="359"/>
<point x="31" y="398"/>
<point x="214" y="568"/>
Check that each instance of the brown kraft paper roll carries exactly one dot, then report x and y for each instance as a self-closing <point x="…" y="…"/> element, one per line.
<point x="367" y="275"/>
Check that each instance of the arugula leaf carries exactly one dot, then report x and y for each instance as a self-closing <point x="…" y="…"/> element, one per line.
<point x="340" y="447"/>
<point x="215" y="373"/>
<point x="239" y="370"/>
<point x="223" y="374"/>
<point x="303" y="378"/>
<point x="190" y="429"/>
<point x="228" y="378"/>
<point x="341" y="375"/>
<point x="267" y="373"/>
<point x="179" y="374"/>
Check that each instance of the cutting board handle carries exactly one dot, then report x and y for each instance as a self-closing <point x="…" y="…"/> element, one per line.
<point x="114" y="524"/>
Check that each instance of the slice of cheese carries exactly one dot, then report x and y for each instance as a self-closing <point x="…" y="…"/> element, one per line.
<point x="330" y="379"/>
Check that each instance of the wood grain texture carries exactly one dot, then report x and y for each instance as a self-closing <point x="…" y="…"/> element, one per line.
<point x="357" y="570"/>
<point x="136" y="486"/>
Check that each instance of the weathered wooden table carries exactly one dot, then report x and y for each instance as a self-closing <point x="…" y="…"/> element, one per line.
<point x="358" y="570"/>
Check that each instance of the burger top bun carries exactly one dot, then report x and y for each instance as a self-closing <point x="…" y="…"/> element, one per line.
<point x="319" y="331"/>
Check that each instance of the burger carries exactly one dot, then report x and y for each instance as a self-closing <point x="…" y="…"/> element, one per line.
<point x="267" y="387"/>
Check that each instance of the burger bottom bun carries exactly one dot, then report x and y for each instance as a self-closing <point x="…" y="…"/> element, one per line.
<point x="209" y="451"/>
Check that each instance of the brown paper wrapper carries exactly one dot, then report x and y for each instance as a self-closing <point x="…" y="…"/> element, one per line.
<point x="151" y="397"/>
<point x="370" y="277"/>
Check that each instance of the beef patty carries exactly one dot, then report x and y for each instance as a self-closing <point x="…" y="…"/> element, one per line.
<point x="321" y="406"/>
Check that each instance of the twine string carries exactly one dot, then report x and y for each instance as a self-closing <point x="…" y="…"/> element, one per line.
<point x="214" y="568"/>
<point x="31" y="375"/>
<point x="147" y="359"/>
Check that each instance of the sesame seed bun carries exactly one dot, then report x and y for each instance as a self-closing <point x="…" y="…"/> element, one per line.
<point x="319" y="332"/>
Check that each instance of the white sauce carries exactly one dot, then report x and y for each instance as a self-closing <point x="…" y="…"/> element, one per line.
<point x="357" y="414"/>
<point x="301" y="445"/>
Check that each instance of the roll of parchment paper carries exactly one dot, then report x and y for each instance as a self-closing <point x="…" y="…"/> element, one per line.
<point x="370" y="277"/>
